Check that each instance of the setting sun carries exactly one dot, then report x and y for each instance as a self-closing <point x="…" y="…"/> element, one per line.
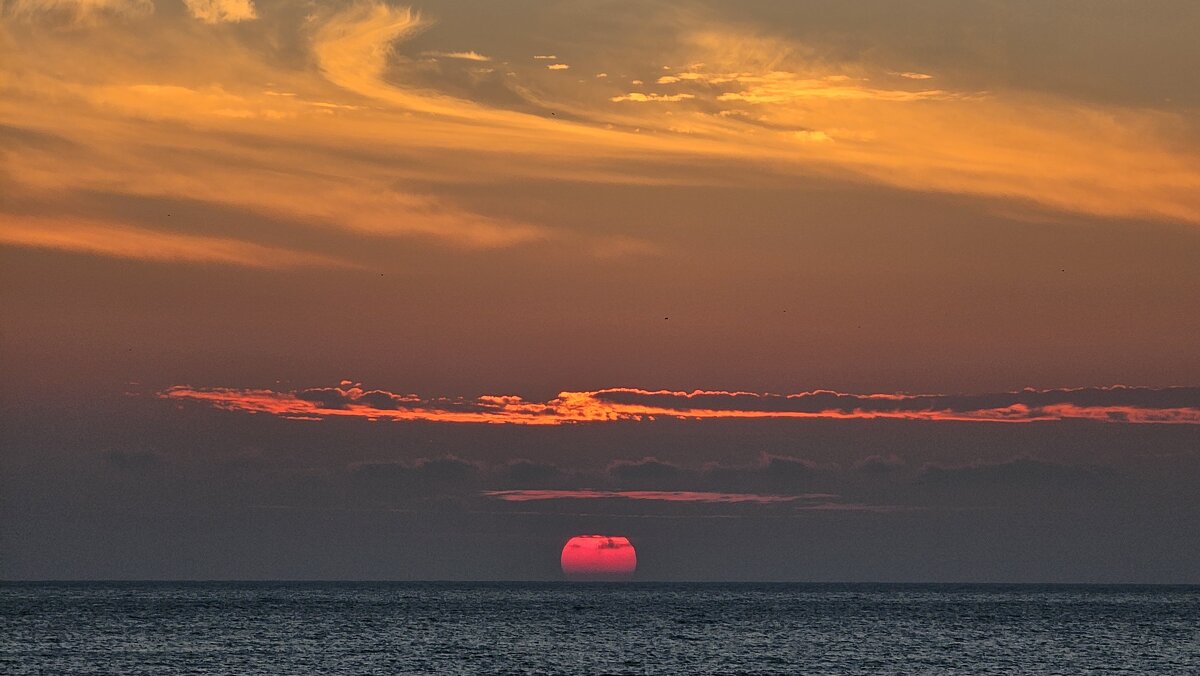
<point x="598" y="557"/>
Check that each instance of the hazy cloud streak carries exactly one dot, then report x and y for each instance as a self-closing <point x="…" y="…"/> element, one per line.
<point x="106" y="239"/>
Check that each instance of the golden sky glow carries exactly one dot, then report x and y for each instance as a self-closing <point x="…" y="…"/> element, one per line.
<point x="576" y="175"/>
<point x="326" y="118"/>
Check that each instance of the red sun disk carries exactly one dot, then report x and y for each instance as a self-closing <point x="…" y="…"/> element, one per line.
<point x="598" y="557"/>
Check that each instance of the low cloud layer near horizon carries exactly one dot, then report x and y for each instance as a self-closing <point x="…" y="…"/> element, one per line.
<point x="202" y="493"/>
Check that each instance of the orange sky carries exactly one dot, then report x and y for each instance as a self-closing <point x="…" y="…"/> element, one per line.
<point x="541" y="196"/>
<point x="783" y="218"/>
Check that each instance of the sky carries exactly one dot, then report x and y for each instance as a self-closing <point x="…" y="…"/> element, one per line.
<point x="813" y="291"/>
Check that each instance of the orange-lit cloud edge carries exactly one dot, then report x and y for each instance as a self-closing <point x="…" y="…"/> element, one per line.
<point x="1116" y="404"/>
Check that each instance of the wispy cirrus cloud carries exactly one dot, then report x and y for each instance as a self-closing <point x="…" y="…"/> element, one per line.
<point x="1119" y="404"/>
<point x="778" y="86"/>
<point x="75" y="12"/>
<point x="469" y="55"/>
<point x="364" y="126"/>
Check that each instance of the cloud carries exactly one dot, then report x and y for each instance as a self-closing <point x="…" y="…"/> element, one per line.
<point x="222" y="11"/>
<point x="118" y="241"/>
<point x="336" y="177"/>
<point x="1020" y="483"/>
<point x="812" y="135"/>
<point x="646" y="480"/>
<point x="76" y="12"/>
<point x="770" y="472"/>
<point x="520" y="472"/>
<point x="880" y="464"/>
<point x="968" y="142"/>
<point x="442" y="470"/>
<point x="396" y="482"/>
<point x="1016" y="472"/>
<point x="550" y="57"/>
<point x="857" y="507"/>
<point x="557" y="66"/>
<point x="772" y="480"/>
<point x="639" y="97"/>
<point x="660" y="496"/>
<point x="645" y="471"/>
<point x="352" y="47"/>
<point x="783" y="88"/>
<point x="1113" y="404"/>
<point x="1118" y="404"/>
<point x="465" y="56"/>
<point x="368" y="145"/>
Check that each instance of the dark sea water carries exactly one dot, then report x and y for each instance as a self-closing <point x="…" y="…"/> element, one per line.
<point x="451" y="628"/>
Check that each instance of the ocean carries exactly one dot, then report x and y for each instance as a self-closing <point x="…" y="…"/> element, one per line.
<point x="595" y="628"/>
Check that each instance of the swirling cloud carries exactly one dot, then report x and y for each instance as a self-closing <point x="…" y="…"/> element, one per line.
<point x="349" y="133"/>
